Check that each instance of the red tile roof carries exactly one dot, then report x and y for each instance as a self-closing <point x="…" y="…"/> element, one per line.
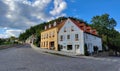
<point x="84" y="27"/>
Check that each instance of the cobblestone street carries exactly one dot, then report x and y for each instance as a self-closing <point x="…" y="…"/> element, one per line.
<point x="24" y="58"/>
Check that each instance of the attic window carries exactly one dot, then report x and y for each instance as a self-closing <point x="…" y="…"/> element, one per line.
<point x="61" y="38"/>
<point x="72" y="28"/>
<point x="76" y="37"/>
<point x="64" y="29"/>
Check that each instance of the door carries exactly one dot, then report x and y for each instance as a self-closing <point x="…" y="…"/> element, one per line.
<point x="77" y="47"/>
<point x="52" y="45"/>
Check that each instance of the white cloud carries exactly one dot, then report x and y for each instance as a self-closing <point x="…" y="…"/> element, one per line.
<point x="8" y="32"/>
<point x="59" y="6"/>
<point x="21" y="14"/>
<point x="3" y="36"/>
<point x="12" y="32"/>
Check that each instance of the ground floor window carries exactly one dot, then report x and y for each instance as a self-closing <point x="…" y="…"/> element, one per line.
<point x="77" y="46"/>
<point x="69" y="47"/>
<point x="46" y="44"/>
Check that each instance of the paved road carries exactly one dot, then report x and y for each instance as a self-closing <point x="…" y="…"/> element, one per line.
<point x="24" y="58"/>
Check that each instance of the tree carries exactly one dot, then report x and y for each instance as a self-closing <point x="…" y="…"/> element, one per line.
<point x="103" y="23"/>
<point x="106" y="29"/>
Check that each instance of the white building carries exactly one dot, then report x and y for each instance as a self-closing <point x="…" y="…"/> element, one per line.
<point x="73" y="37"/>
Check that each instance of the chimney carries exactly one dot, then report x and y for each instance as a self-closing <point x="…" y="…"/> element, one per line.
<point x="54" y="24"/>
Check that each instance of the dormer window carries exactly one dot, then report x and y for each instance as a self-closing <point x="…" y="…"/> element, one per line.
<point x="45" y="27"/>
<point x="54" y="24"/>
<point x="49" y="25"/>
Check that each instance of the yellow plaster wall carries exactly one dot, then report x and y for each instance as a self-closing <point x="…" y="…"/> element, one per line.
<point x="45" y="39"/>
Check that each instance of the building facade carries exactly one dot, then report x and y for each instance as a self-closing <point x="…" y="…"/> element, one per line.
<point x="71" y="36"/>
<point x="49" y="37"/>
<point x="92" y="41"/>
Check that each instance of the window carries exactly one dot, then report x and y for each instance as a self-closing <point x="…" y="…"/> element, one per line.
<point x="77" y="46"/>
<point x="46" y="43"/>
<point x="49" y="35"/>
<point x="76" y="37"/>
<point x="68" y="36"/>
<point x="64" y="29"/>
<point x="43" y="44"/>
<point x="52" y="34"/>
<point x="72" y="28"/>
<point x="69" y="47"/>
<point x="61" y="38"/>
<point x="46" y="35"/>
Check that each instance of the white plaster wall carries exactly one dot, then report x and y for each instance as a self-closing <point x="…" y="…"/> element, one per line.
<point x="92" y="41"/>
<point x="72" y="41"/>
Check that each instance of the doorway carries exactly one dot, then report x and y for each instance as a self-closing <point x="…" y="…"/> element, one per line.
<point x="52" y="47"/>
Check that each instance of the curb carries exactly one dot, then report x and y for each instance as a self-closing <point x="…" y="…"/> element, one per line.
<point x="54" y="52"/>
<point x="70" y="55"/>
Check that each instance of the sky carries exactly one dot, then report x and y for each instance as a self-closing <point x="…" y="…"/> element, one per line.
<point x="18" y="15"/>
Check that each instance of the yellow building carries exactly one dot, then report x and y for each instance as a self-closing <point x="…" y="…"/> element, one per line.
<point x="49" y="37"/>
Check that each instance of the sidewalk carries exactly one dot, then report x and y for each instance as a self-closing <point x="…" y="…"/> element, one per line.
<point x="60" y="53"/>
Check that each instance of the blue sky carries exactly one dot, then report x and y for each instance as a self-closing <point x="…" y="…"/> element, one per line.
<point x="86" y="9"/>
<point x="18" y="15"/>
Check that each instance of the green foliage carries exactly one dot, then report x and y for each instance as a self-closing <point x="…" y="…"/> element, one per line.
<point x="106" y="29"/>
<point x="8" y="41"/>
<point x="2" y="41"/>
<point x="103" y="23"/>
